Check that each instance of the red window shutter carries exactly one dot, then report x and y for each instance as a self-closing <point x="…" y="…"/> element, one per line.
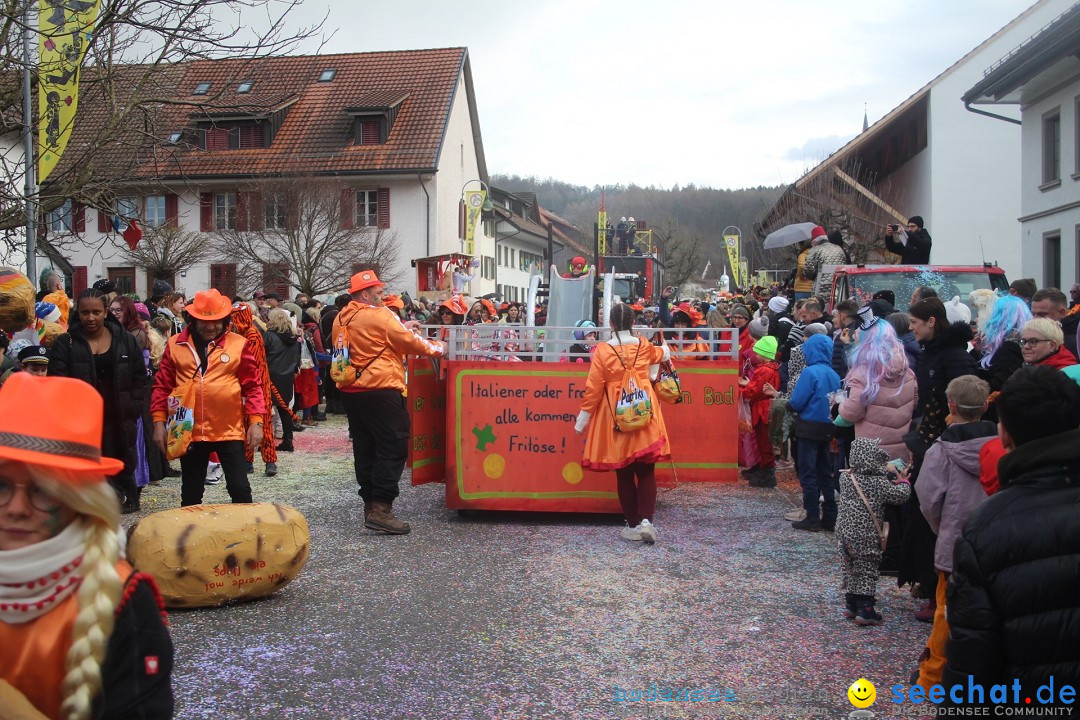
<point x="369" y="132"/>
<point x="223" y="278"/>
<point x="78" y="222"/>
<point x="206" y="212"/>
<point x="217" y="138"/>
<point x="103" y="224"/>
<point x="242" y="207"/>
<point x="172" y="210"/>
<point x="78" y="280"/>
<point x="384" y="208"/>
<point x="254" y="203"/>
<point x="251" y="136"/>
<point x="348" y="209"/>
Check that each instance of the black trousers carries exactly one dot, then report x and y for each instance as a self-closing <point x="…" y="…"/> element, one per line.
<point x="118" y="441"/>
<point x="193" y="470"/>
<point x="379" y="428"/>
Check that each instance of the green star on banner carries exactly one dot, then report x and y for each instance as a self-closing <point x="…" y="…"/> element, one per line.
<point x="484" y="437"/>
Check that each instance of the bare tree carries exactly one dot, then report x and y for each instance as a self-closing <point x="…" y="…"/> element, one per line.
<point x="685" y="253"/>
<point x="165" y="250"/>
<point x="134" y="60"/>
<point x="304" y="232"/>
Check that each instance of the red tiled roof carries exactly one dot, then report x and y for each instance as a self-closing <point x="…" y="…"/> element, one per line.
<point x="315" y="135"/>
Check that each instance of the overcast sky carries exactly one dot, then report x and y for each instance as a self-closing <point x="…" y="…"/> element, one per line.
<point x="720" y="93"/>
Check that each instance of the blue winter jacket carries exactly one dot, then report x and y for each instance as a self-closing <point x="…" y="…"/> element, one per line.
<point x="810" y="398"/>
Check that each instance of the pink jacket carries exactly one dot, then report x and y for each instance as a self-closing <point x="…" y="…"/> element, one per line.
<point x="888" y="417"/>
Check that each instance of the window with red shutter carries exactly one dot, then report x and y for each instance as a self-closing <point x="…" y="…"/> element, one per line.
<point x="368" y="133"/>
<point x="251" y="136"/>
<point x="348" y="209"/>
<point x="223" y="278"/>
<point x="276" y="279"/>
<point x="172" y="210"/>
<point x="78" y="280"/>
<point x="384" y="208"/>
<point x="242" y="221"/>
<point x="216" y="138"/>
<point x="206" y="212"/>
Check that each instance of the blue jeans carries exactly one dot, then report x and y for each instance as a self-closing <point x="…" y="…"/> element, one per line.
<point x="815" y="476"/>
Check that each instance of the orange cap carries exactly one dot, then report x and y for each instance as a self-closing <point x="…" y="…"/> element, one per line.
<point x="363" y="280"/>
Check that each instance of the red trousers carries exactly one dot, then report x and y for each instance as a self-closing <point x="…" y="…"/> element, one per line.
<point x="766" y="458"/>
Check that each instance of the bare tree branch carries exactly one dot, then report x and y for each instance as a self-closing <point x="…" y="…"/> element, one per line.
<point x="166" y="250"/>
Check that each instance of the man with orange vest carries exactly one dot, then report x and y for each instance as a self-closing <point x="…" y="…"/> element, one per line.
<point x="229" y="383"/>
<point x="373" y="395"/>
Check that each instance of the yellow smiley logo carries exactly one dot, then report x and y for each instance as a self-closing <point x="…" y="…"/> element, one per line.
<point x="862" y="693"/>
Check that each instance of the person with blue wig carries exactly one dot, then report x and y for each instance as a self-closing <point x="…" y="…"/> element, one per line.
<point x="998" y="345"/>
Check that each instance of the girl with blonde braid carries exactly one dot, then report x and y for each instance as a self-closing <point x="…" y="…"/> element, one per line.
<point x="83" y="634"/>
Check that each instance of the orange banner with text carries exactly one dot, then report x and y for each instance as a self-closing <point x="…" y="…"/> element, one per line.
<point x="512" y="444"/>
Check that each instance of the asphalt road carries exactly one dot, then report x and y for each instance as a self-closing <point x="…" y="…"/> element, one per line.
<point x="537" y="616"/>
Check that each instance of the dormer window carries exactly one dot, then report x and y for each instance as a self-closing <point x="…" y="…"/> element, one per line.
<point x="244" y="87"/>
<point x="327" y="75"/>
<point x="234" y="135"/>
<point x="369" y="131"/>
<point x="201" y="89"/>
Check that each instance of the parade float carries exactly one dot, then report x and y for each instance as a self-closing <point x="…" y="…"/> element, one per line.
<point x="494" y="419"/>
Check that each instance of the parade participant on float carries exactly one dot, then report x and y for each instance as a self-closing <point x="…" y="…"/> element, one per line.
<point x="83" y="635"/>
<point x="96" y="350"/>
<point x="513" y="315"/>
<point x="578" y="268"/>
<point x="586" y="342"/>
<point x="229" y="387"/>
<point x="476" y="314"/>
<point x="629" y="454"/>
<point x="374" y="400"/>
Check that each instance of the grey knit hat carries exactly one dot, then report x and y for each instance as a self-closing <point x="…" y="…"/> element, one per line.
<point x="759" y="328"/>
<point x="740" y="310"/>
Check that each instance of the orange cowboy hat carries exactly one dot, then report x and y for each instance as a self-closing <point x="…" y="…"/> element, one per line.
<point x="209" y="305"/>
<point x="488" y="305"/>
<point x="455" y="305"/>
<point x="32" y="432"/>
<point x="393" y="301"/>
<point x="363" y="280"/>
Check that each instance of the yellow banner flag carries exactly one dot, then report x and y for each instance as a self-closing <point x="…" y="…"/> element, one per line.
<point x="744" y="275"/>
<point x="731" y="242"/>
<point x="474" y="203"/>
<point x="601" y="231"/>
<point x="65" y="28"/>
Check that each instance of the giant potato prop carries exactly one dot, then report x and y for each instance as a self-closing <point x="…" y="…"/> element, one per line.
<point x="209" y="555"/>
<point x="16" y="300"/>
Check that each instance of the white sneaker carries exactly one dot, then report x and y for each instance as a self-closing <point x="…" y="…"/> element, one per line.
<point x="631" y="533"/>
<point x="795" y="515"/>
<point x="647" y="531"/>
<point x="214" y="473"/>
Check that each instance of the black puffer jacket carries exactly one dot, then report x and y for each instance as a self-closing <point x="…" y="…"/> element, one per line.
<point x="917" y="250"/>
<point x="944" y="358"/>
<point x="71" y="356"/>
<point x="1014" y="593"/>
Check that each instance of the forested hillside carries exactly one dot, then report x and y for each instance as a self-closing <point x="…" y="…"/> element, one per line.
<point x="692" y="218"/>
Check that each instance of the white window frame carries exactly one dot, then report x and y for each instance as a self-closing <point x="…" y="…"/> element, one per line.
<point x="225" y="211"/>
<point x="61" y="218"/>
<point x="155" y="211"/>
<point x="367" y="208"/>
<point x="274" y="212"/>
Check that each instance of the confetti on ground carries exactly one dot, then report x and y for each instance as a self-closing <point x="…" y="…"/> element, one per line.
<point x="516" y="615"/>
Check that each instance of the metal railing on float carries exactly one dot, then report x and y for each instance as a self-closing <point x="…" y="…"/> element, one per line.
<point x="524" y="343"/>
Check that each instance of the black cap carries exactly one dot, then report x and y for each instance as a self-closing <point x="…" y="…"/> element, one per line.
<point x="161" y="288"/>
<point x="105" y="286"/>
<point x="34" y="354"/>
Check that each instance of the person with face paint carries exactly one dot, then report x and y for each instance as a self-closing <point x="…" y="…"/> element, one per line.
<point x="83" y="634"/>
<point x="229" y="384"/>
<point x="97" y="350"/>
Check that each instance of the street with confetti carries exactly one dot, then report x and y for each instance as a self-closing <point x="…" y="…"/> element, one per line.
<point x="515" y="615"/>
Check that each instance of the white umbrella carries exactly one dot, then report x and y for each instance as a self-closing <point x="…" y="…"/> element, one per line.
<point x="788" y="235"/>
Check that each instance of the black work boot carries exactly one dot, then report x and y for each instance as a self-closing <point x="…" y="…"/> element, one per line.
<point x="766" y="478"/>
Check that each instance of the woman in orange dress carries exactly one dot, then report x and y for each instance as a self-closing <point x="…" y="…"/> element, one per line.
<point x="631" y="454"/>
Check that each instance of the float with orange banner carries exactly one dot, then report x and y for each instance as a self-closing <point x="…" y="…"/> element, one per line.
<point x="500" y="433"/>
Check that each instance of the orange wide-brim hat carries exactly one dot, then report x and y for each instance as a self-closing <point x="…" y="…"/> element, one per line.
<point x="54" y="422"/>
<point x="209" y="305"/>
<point x="455" y="305"/>
<point x="363" y="280"/>
<point x="393" y="301"/>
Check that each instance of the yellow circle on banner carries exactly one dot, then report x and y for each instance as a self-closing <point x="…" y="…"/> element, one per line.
<point x="571" y="473"/>
<point x="494" y="466"/>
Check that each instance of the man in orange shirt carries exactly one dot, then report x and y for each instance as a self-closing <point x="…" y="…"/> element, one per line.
<point x="230" y="387"/>
<point x="373" y="395"/>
